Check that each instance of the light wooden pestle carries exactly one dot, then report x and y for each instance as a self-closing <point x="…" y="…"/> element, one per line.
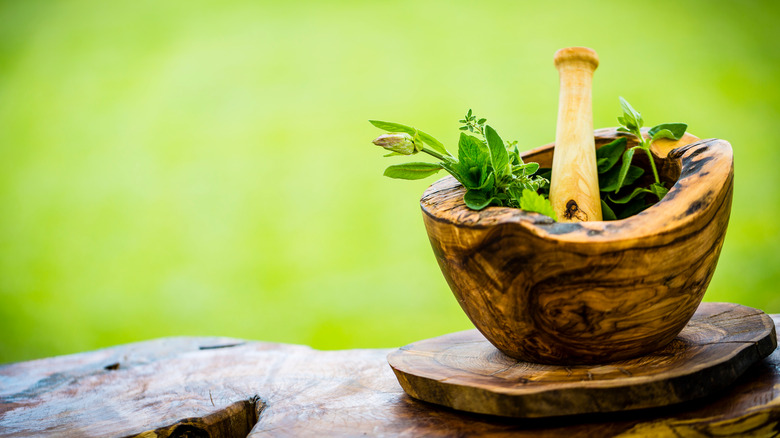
<point x="574" y="186"/>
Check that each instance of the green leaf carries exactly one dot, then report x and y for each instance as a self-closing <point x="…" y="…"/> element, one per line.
<point x="608" y="180"/>
<point x="627" y="156"/>
<point x="606" y="213"/>
<point x="498" y="154"/>
<point x="631" y="208"/>
<point x="622" y="129"/>
<point x="488" y="183"/>
<point x="412" y="170"/>
<point x="658" y="190"/>
<point x="637" y="191"/>
<point x="525" y="170"/>
<point x="473" y="159"/>
<point x="675" y="131"/>
<point x="532" y="201"/>
<point x="631" y="116"/>
<point x="425" y="137"/>
<point x="664" y="133"/>
<point x="455" y="171"/>
<point x="530" y="168"/>
<point x="392" y="154"/>
<point x="481" y="121"/>
<point x="472" y="151"/>
<point x="477" y="199"/>
<point x="609" y="154"/>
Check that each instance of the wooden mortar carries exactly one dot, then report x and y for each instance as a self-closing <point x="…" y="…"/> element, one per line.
<point x="587" y="292"/>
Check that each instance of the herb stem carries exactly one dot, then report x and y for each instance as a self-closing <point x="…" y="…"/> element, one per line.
<point x="435" y="154"/>
<point x="645" y="144"/>
<point x="652" y="165"/>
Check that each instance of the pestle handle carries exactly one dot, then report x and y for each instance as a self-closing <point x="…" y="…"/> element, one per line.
<point x="574" y="186"/>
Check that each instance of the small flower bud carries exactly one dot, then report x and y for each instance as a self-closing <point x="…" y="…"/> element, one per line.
<point x="400" y="142"/>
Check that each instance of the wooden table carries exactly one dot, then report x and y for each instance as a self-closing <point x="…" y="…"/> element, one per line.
<point x="219" y="387"/>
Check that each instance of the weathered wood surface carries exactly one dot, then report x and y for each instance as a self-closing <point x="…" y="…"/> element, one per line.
<point x="574" y="186"/>
<point x="464" y="371"/>
<point x="586" y="292"/>
<point x="187" y="387"/>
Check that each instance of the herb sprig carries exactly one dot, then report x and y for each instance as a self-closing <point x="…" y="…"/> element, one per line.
<point x="490" y="169"/>
<point x="493" y="173"/>
<point x="621" y="194"/>
<point x="631" y="122"/>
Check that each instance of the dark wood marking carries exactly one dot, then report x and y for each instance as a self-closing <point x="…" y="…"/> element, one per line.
<point x="573" y="211"/>
<point x="587" y="292"/>
<point x="563" y="227"/>
<point x="462" y="370"/>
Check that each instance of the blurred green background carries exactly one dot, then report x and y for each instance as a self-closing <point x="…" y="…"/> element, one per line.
<point x="205" y="168"/>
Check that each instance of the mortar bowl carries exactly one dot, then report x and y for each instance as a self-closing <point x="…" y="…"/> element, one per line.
<point x="587" y="292"/>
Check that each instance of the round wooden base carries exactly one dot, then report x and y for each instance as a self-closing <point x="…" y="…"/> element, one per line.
<point x="465" y="372"/>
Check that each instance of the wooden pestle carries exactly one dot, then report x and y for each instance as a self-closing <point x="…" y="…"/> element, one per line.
<point x="574" y="186"/>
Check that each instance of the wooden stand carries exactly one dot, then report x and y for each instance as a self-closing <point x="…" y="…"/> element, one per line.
<point x="464" y="371"/>
<point x="221" y="387"/>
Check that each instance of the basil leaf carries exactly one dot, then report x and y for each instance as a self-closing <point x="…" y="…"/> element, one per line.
<point x="676" y="130"/>
<point x="606" y="213"/>
<point x="525" y="169"/>
<point x="488" y="183"/>
<point x="473" y="158"/>
<point x="425" y="137"/>
<point x="412" y="170"/>
<point x="498" y="154"/>
<point x="631" y="116"/>
<point x="471" y="151"/>
<point x="609" y="154"/>
<point x="632" y="208"/>
<point x="658" y="190"/>
<point x="637" y="191"/>
<point x="455" y="170"/>
<point x="477" y="199"/>
<point x="627" y="156"/>
<point x="608" y="180"/>
<point x="664" y="133"/>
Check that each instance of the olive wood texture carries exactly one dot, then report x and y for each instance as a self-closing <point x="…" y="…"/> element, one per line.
<point x="587" y="292"/>
<point x="574" y="186"/>
<point x="464" y="371"/>
<point x="187" y="387"/>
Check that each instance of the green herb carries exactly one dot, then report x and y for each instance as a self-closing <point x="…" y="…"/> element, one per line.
<point x="621" y="194"/>
<point x="490" y="169"/>
<point x="631" y="122"/>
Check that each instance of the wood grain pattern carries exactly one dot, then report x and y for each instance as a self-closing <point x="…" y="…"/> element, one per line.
<point x="464" y="371"/>
<point x="302" y="392"/>
<point x="574" y="186"/>
<point x="586" y="292"/>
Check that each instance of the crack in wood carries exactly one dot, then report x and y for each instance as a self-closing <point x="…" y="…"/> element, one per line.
<point x="214" y="347"/>
<point x="236" y="420"/>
